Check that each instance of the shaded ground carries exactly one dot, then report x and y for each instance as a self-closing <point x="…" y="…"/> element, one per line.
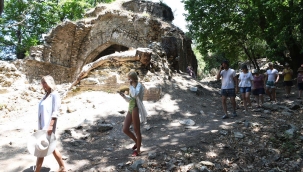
<point x="211" y="142"/>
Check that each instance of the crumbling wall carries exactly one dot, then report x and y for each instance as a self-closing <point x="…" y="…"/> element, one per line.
<point x="72" y="45"/>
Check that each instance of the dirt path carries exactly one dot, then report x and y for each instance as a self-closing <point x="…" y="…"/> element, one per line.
<point x="85" y="148"/>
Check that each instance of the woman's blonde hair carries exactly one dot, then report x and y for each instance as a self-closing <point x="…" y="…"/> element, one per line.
<point x="133" y="75"/>
<point x="49" y="80"/>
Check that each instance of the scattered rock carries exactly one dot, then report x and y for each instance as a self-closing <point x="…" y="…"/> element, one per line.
<point x="238" y="135"/>
<point x="187" y="122"/>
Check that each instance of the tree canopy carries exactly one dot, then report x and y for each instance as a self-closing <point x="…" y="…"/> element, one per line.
<point x="24" y="22"/>
<point x="247" y="29"/>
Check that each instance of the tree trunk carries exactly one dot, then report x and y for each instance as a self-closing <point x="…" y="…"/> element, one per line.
<point x="1" y="6"/>
<point x="140" y="54"/>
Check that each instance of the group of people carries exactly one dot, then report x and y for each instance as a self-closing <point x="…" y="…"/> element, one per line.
<point x="49" y="108"/>
<point x="256" y="83"/>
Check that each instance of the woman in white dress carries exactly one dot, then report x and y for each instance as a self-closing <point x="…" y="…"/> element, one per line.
<point x="47" y="116"/>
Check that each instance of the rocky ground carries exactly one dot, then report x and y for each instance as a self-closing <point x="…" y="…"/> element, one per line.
<point x="184" y="131"/>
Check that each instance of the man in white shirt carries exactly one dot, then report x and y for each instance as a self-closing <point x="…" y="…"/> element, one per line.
<point x="228" y="88"/>
<point x="272" y="77"/>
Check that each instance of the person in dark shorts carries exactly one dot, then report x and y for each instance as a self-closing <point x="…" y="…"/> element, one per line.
<point x="287" y="73"/>
<point x="258" y="87"/>
<point x="300" y="81"/>
<point x="228" y="88"/>
<point x="272" y="77"/>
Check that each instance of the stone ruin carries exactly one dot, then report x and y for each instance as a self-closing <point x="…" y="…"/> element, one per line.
<point x="97" y="52"/>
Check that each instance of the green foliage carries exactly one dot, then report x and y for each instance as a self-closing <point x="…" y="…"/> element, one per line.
<point x="24" y="22"/>
<point x="201" y="63"/>
<point x="247" y="29"/>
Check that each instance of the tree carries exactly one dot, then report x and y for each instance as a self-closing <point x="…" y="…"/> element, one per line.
<point x="247" y="29"/>
<point x="24" y="22"/>
<point x="1" y="6"/>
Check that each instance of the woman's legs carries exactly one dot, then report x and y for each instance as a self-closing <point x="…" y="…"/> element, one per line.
<point x="262" y="98"/>
<point x="39" y="164"/>
<point x="58" y="157"/>
<point x="244" y="101"/>
<point x="257" y="100"/>
<point x="136" y="125"/>
<point x="247" y="97"/>
<point x="126" y="125"/>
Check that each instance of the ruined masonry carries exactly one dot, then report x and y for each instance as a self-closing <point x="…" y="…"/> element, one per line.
<point x="97" y="52"/>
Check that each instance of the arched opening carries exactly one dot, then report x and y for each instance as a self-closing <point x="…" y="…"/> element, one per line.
<point x="110" y="50"/>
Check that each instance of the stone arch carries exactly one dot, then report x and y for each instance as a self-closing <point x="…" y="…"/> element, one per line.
<point x="110" y="50"/>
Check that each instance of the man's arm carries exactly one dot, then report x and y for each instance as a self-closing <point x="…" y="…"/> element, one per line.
<point x="277" y="77"/>
<point x="236" y="83"/>
<point x="219" y="74"/>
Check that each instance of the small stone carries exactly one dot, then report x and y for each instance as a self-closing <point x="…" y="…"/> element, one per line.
<point x="238" y="135"/>
<point x="104" y="127"/>
<point x="286" y="113"/>
<point x="207" y="163"/>
<point x="187" y="122"/>
<point x="223" y="132"/>
<point x="184" y="149"/>
<point x="120" y="165"/>
<point x="152" y="155"/>
<point x="147" y="127"/>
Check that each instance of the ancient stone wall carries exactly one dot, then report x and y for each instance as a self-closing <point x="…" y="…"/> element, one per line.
<point x="160" y="9"/>
<point x="72" y="45"/>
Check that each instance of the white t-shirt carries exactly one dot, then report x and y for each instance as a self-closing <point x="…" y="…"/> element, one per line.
<point x="245" y="79"/>
<point x="228" y="78"/>
<point x="272" y="74"/>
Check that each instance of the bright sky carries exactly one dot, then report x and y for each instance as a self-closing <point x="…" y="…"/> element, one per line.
<point x="178" y="9"/>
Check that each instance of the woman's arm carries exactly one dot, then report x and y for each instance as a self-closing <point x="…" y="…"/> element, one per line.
<point x="51" y="126"/>
<point x="56" y="102"/>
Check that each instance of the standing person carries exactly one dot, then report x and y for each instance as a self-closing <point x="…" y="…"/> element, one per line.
<point x="258" y="86"/>
<point x="49" y="109"/>
<point x="229" y="82"/>
<point x="287" y="73"/>
<point x="191" y="71"/>
<point x="300" y="81"/>
<point x="135" y="107"/>
<point x="272" y="77"/>
<point x="245" y="83"/>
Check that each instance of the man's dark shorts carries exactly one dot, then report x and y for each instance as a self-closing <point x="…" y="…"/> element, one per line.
<point x="228" y="92"/>
<point x="300" y="86"/>
<point x="288" y="83"/>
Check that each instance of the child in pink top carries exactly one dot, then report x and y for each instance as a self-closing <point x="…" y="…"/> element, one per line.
<point x="258" y="86"/>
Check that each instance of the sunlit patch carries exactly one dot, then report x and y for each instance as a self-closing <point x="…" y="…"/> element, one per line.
<point x="211" y="154"/>
<point x="256" y="129"/>
<point x="164" y="138"/>
<point x="180" y="135"/>
<point x="174" y="124"/>
<point x="214" y="131"/>
<point x="189" y="114"/>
